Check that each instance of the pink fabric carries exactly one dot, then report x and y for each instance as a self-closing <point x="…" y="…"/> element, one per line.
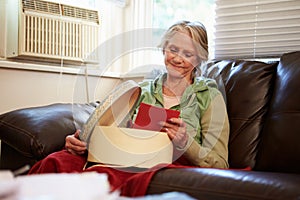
<point x="59" y="162"/>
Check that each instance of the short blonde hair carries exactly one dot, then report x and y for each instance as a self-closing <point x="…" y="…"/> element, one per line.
<point x="196" y="31"/>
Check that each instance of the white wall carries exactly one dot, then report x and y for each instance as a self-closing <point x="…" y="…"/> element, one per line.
<point x="26" y="88"/>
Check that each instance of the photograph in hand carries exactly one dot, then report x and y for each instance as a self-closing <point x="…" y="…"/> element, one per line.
<point x="149" y="117"/>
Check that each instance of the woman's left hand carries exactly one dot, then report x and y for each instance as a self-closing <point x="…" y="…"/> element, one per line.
<point x="176" y="130"/>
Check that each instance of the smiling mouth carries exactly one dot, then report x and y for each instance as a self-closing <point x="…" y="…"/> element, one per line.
<point x="176" y="66"/>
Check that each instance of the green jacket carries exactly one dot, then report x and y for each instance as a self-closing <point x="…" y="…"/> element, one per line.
<point x="199" y="105"/>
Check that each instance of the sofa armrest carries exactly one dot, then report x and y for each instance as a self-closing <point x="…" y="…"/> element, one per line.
<point x="38" y="131"/>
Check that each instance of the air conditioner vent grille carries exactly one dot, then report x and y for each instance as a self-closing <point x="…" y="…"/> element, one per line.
<point x="60" y="9"/>
<point x="89" y="15"/>
<point x="41" y="6"/>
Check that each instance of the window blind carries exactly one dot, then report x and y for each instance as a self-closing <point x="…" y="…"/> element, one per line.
<point x="256" y="29"/>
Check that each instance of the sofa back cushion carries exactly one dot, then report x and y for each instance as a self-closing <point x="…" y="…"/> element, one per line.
<point x="280" y="147"/>
<point x="247" y="89"/>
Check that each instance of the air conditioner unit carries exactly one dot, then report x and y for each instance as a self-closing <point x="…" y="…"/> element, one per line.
<point x="37" y="29"/>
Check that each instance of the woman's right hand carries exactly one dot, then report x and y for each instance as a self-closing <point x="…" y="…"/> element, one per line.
<point x="74" y="145"/>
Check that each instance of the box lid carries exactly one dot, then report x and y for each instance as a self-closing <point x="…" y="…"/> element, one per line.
<point x="114" y="109"/>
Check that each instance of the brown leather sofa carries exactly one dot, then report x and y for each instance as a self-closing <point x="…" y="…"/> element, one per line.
<point x="263" y="101"/>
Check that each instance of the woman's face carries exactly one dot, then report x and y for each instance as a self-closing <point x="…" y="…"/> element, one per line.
<point x="180" y="56"/>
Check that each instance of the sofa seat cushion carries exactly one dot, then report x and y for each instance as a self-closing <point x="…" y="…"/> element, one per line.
<point x="36" y="132"/>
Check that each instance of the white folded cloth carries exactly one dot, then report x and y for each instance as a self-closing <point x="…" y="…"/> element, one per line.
<point x="62" y="186"/>
<point x="65" y="186"/>
<point x="9" y="188"/>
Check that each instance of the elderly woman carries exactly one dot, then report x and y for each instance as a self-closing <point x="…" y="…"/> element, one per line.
<point x="200" y="135"/>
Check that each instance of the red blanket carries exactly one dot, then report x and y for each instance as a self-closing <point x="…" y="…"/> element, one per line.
<point x="128" y="183"/>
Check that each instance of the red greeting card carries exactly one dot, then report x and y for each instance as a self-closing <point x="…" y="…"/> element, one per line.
<point x="149" y="116"/>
